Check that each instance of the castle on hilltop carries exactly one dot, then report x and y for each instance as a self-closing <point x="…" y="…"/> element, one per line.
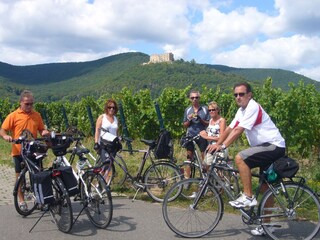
<point x="159" y="58"/>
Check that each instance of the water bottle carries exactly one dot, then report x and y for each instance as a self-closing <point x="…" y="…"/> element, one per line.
<point x="272" y="176"/>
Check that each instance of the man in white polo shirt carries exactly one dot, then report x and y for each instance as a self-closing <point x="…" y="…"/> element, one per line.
<point x="265" y="140"/>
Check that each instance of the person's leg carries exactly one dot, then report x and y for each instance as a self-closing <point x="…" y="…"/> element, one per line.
<point x="17" y="160"/>
<point x="245" y="175"/>
<point x="187" y="169"/>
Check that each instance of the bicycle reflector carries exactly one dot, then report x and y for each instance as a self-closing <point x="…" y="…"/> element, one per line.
<point x="56" y="173"/>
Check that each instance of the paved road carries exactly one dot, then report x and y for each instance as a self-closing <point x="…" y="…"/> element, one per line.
<point x="136" y="220"/>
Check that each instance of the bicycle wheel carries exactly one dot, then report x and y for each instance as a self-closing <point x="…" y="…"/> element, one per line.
<point x="190" y="218"/>
<point x="159" y="177"/>
<point x="25" y="184"/>
<point x="294" y="214"/>
<point x="195" y="171"/>
<point x="98" y="199"/>
<point x="61" y="209"/>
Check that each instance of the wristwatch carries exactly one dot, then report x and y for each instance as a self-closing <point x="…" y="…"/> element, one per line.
<point x="223" y="146"/>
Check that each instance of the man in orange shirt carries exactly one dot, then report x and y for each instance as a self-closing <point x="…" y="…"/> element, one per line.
<point x="22" y="118"/>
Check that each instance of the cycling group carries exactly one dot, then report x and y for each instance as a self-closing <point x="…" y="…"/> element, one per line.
<point x="191" y="191"/>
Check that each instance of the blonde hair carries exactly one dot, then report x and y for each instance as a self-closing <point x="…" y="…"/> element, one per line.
<point x="215" y="105"/>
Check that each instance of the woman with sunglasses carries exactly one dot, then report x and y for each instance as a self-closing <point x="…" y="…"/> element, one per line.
<point x="106" y="121"/>
<point x="217" y="125"/>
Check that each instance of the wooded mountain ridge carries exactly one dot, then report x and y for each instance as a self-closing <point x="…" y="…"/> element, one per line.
<point x="74" y="80"/>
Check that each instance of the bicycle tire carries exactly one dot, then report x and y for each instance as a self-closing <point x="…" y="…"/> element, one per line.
<point x="24" y="181"/>
<point x="195" y="171"/>
<point x="159" y="177"/>
<point x="61" y="209"/>
<point x="99" y="207"/>
<point x="187" y="220"/>
<point x="296" y="218"/>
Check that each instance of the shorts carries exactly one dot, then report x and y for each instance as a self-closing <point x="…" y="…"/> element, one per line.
<point x="18" y="163"/>
<point x="262" y="156"/>
<point x="201" y="142"/>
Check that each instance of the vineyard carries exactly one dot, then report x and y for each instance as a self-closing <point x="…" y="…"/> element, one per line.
<point x="295" y="112"/>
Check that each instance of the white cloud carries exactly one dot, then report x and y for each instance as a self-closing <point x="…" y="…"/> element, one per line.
<point x="229" y="32"/>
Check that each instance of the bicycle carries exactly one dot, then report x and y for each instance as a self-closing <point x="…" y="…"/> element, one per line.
<point x="294" y="212"/>
<point x="198" y="170"/>
<point x="155" y="179"/>
<point x="94" y="194"/>
<point x="60" y="208"/>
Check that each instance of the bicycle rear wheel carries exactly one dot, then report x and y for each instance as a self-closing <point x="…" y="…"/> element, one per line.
<point x="159" y="177"/>
<point x="190" y="218"/>
<point x="99" y="206"/>
<point x="61" y="209"/>
<point x="292" y="216"/>
<point x="24" y="181"/>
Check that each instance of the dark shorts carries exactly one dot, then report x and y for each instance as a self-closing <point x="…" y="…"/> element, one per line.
<point x="262" y="156"/>
<point x="17" y="161"/>
<point x="201" y="142"/>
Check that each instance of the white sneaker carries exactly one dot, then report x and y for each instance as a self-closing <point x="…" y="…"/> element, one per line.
<point x="259" y="231"/>
<point x="244" y="201"/>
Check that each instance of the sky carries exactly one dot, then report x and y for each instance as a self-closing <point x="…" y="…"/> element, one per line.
<point x="282" y="34"/>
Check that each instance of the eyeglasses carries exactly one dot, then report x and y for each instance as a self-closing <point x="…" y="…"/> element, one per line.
<point x="239" y="94"/>
<point x="194" y="98"/>
<point x="28" y="104"/>
<point x="212" y="110"/>
<point x="111" y="107"/>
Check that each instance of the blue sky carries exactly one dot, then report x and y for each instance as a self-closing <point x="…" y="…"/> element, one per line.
<point x="249" y="34"/>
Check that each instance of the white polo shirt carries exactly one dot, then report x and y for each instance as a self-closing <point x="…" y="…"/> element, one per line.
<point x="258" y="126"/>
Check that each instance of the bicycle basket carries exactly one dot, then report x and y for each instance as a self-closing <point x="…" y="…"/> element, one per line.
<point x="60" y="144"/>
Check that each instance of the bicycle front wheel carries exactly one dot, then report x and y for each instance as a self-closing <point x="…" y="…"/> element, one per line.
<point x="24" y="185"/>
<point x="61" y="209"/>
<point x="191" y="215"/>
<point x="290" y="214"/>
<point x="159" y="177"/>
<point x="97" y="199"/>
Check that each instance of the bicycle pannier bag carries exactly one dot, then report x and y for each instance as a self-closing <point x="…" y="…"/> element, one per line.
<point x="286" y="167"/>
<point x="42" y="186"/>
<point x="69" y="180"/>
<point x="164" y="145"/>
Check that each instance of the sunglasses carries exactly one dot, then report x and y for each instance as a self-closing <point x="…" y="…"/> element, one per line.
<point x="194" y="98"/>
<point x="239" y="94"/>
<point x="28" y="104"/>
<point x="212" y="110"/>
<point x="111" y="107"/>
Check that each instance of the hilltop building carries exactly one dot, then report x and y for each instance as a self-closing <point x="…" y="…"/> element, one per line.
<point x="159" y="58"/>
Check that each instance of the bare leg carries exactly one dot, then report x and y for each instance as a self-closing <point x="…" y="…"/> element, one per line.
<point x="187" y="170"/>
<point x="20" y="194"/>
<point x="245" y="175"/>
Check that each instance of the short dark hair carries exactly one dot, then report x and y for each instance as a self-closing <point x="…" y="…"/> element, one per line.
<point x="247" y="85"/>
<point x="26" y="93"/>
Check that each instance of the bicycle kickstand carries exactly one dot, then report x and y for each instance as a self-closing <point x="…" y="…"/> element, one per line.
<point x="44" y="212"/>
<point x="138" y="187"/>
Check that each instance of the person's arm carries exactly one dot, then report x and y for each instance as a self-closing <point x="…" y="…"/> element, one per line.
<point x="5" y="136"/>
<point x="98" y="126"/>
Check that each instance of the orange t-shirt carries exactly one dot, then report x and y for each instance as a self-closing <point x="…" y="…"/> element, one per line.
<point x="18" y="121"/>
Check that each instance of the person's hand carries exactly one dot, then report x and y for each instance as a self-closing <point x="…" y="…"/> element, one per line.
<point x="7" y="138"/>
<point x="96" y="147"/>
<point x="45" y="133"/>
<point x="213" y="148"/>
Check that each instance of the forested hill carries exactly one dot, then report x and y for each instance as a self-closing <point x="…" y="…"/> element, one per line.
<point x="74" y="80"/>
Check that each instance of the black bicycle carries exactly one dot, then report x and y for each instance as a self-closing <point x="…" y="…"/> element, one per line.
<point x="155" y="179"/>
<point x="33" y="152"/>
<point x="289" y="209"/>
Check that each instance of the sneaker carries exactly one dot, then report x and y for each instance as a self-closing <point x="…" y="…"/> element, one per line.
<point x="23" y="206"/>
<point x="243" y="201"/>
<point x="259" y="231"/>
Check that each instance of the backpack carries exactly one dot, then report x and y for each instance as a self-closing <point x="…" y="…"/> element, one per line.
<point x="42" y="186"/>
<point x="286" y="167"/>
<point x="164" y="145"/>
